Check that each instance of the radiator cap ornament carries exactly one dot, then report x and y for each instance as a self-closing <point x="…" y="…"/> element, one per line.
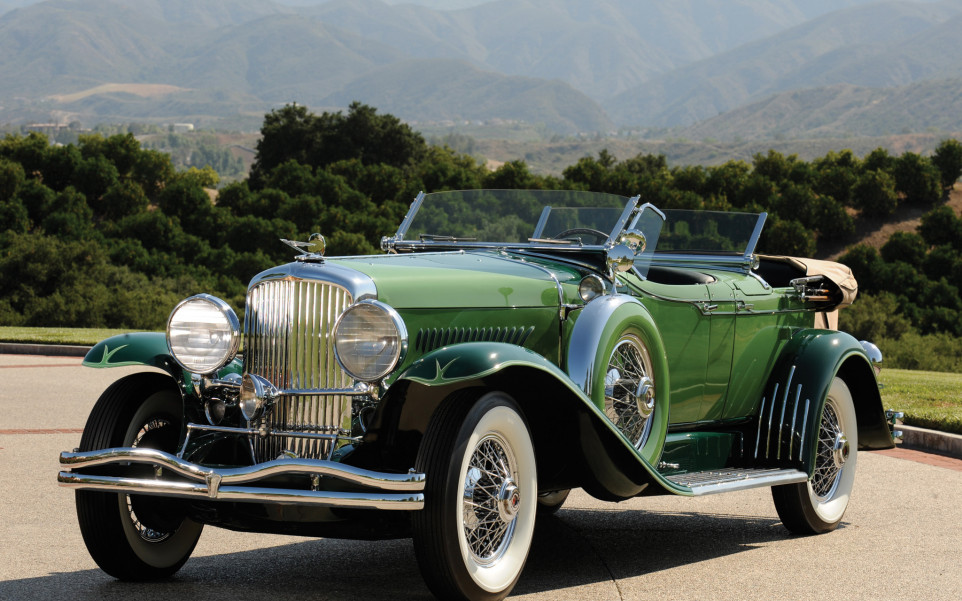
<point x="312" y="250"/>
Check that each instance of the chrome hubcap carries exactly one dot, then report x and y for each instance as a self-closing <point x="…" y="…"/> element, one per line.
<point x="840" y="450"/>
<point x="509" y="500"/>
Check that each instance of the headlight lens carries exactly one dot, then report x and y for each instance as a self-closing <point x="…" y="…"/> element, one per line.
<point x="369" y="340"/>
<point x="590" y="288"/>
<point x="203" y="334"/>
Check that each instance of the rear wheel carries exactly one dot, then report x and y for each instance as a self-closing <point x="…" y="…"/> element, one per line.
<point x="818" y="505"/>
<point x="133" y="537"/>
<point x="550" y="502"/>
<point x="473" y="536"/>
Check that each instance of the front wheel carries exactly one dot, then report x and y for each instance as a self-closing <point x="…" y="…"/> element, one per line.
<point x="473" y="535"/>
<point x="135" y="537"/>
<point x="817" y="506"/>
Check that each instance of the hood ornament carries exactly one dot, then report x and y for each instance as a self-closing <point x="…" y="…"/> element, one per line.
<point x="312" y="250"/>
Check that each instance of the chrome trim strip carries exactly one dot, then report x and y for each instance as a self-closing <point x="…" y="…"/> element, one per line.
<point x="791" y="442"/>
<point x="771" y="414"/>
<point x="542" y="221"/>
<point x="801" y="445"/>
<point x="758" y="438"/>
<point x="734" y="261"/>
<point x="335" y="435"/>
<point x="359" y="285"/>
<point x="756" y="234"/>
<point x="623" y="220"/>
<point x="781" y="419"/>
<point x="215" y="483"/>
<point x="409" y="216"/>
<point x="586" y="337"/>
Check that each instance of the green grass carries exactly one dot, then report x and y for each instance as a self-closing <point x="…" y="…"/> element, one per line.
<point x="81" y="336"/>
<point x="929" y="399"/>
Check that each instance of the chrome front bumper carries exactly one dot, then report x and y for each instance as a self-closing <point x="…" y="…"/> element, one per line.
<point x="388" y="491"/>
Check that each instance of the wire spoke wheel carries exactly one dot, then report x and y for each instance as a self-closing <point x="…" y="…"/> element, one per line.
<point x="828" y="462"/>
<point x="630" y="389"/>
<point x="818" y="505"/>
<point x="491" y="499"/>
<point x="473" y="536"/>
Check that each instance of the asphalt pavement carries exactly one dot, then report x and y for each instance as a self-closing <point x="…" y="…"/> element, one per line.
<point x="900" y="538"/>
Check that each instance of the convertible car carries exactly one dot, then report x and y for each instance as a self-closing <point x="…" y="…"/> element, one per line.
<point x="507" y="347"/>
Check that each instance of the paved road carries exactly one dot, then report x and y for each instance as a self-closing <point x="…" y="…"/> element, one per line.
<point x="900" y="539"/>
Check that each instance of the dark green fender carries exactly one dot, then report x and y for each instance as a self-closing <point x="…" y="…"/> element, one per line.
<point x="794" y="396"/>
<point x="144" y="348"/>
<point x="572" y="437"/>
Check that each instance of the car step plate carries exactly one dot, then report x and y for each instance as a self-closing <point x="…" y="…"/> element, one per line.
<point x="728" y="480"/>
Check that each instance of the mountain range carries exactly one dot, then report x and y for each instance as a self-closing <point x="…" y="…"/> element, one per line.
<point x="807" y="67"/>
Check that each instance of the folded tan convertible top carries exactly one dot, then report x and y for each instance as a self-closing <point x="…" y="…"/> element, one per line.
<point x="841" y="275"/>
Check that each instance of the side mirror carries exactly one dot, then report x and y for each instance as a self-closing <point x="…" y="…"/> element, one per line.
<point x="620" y="258"/>
<point x="635" y="240"/>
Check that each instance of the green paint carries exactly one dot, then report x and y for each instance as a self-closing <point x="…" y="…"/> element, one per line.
<point x="466" y="280"/>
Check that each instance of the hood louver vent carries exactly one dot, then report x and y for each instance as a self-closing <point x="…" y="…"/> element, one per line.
<point x="434" y="338"/>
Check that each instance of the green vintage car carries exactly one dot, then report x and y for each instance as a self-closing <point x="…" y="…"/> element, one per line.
<point x="508" y="347"/>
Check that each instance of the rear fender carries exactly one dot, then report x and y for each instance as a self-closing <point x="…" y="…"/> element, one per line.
<point x="791" y="407"/>
<point x="572" y="437"/>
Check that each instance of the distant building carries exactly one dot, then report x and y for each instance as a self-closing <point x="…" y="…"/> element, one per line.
<point x="179" y="128"/>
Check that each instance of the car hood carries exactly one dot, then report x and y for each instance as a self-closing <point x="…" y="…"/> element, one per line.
<point x="460" y="279"/>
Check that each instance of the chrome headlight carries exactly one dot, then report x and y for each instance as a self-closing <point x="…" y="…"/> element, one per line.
<point x="203" y="334"/>
<point x="369" y="340"/>
<point x="590" y="288"/>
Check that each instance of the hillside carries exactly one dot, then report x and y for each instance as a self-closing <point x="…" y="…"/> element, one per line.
<point x="867" y="46"/>
<point x="572" y="65"/>
<point x="840" y="109"/>
<point x="449" y="90"/>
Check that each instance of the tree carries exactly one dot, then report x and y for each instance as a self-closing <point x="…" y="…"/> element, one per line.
<point x="874" y="194"/>
<point x="878" y="160"/>
<point x="832" y="220"/>
<point x="293" y="133"/>
<point x="11" y="178"/>
<point x="948" y="160"/>
<point x="787" y="237"/>
<point x="905" y="246"/>
<point x="874" y="317"/>
<point x="69" y="216"/>
<point x="866" y="265"/>
<point x="837" y="174"/>
<point x="941" y="226"/>
<point x="122" y="198"/>
<point x="918" y="179"/>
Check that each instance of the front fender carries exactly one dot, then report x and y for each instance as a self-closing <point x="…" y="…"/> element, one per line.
<point x="795" y="395"/>
<point x="143" y="348"/>
<point x="576" y="444"/>
<point x="140" y="348"/>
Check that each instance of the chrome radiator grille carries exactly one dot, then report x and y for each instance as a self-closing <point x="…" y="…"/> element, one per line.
<point x="287" y="339"/>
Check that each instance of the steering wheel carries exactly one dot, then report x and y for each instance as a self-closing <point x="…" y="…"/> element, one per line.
<point x="598" y="234"/>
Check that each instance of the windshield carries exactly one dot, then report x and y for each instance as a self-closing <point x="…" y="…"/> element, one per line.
<point x="515" y="217"/>
<point x="709" y="232"/>
<point x="566" y="220"/>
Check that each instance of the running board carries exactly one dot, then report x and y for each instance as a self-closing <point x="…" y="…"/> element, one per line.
<point x="728" y="480"/>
